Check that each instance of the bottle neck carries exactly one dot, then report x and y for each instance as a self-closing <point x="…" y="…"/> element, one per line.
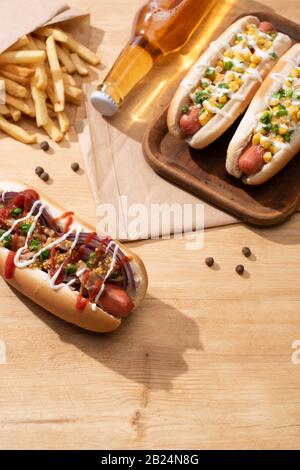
<point x="132" y="65"/>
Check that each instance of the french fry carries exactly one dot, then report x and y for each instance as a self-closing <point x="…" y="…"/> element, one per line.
<point x="25" y="106"/>
<point x="17" y="70"/>
<point x="65" y="59"/>
<point x="16" y="132"/>
<point x="51" y="111"/>
<point x="73" y="92"/>
<point x="40" y="43"/>
<point x="69" y="80"/>
<point x="23" y="81"/>
<point x="23" y="41"/>
<point x="4" y="109"/>
<point x="63" y="121"/>
<point x="15" y="113"/>
<point x="14" y="88"/>
<point x="40" y="70"/>
<point x="80" y="66"/>
<point x="56" y="74"/>
<point x="58" y="34"/>
<point x="53" y="131"/>
<point x="22" y="57"/>
<point x="50" y="93"/>
<point x="84" y="52"/>
<point x="39" y="99"/>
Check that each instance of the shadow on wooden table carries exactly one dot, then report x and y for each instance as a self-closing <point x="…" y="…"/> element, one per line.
<point x="286" y="233"/>
<point x="148" y="348"/>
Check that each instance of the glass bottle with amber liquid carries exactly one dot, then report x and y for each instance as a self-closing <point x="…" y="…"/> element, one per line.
<point x="160" y="27"/>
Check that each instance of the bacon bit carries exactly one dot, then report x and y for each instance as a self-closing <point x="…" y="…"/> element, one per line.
<point x="10" y="265"/>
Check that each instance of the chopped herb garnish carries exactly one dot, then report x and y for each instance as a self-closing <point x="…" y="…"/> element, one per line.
<point x="288" y="93"/>
<point x="91" y="261"/>
<point x="274" y="55"/>
<point x="44" y="255"/>
<point x="223" y="85"/>
<point x="267" y="127"/>
<point x="205" y="84"/>
<point x="279" y="94"/>
<point x="210" y="72"/>
<point x="201" y="96"/>
<point x="239" y="37"/>
<point x="15" y="212"/>
<point x="220" y="105"/>
<point x="34" y="244"/>
<point x="228" y="65"/>
<point x="275" y="129"/>
<point x="287" y="136"/>
<point x="282" y="111"/>
<point x="7" y="241"/>
<point x="266" y="117"/>
<point x="25" y="228"/>
<point x="71" y="269"/>
<point x="185" y="109"/>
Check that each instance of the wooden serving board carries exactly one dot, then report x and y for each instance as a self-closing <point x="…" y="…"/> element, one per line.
<point x="203" y="173"/>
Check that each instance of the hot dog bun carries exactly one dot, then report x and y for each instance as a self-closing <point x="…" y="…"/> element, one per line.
<point x="244" y="132"/>
<point x="34" y="283"/>
<point x="220" y="122"/>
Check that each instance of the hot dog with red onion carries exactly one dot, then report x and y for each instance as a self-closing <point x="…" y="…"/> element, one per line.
<point x="269" y="134"/>
<point x="222" y="83"/>
<point x="61" y="264"/>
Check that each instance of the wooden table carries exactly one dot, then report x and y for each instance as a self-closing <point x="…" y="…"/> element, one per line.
<point x="205" y="363"/>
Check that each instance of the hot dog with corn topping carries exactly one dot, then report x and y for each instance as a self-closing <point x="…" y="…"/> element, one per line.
<point x="269" y="134"/>
<point x="222" y="83"/>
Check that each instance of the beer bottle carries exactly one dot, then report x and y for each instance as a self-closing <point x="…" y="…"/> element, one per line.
<point x="160" y="27"/>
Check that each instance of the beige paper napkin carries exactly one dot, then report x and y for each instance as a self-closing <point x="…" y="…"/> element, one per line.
<point x="120" y="177"/>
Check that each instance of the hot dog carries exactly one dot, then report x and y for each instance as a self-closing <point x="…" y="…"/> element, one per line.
<point x="57" y="261"/>
<point x="220" y="86"/>
<point x="268" y="137"/>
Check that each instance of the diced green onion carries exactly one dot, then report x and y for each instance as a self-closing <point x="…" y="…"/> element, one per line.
<point x="15" y="212"/>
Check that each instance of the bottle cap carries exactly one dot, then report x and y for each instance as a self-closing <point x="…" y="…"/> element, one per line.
<point x="104" y="103"/>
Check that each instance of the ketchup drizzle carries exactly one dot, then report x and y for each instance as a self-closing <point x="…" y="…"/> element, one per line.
<point x="10" y="265"/>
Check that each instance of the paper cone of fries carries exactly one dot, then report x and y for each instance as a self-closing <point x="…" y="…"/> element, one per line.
<point x="43" y="54"/>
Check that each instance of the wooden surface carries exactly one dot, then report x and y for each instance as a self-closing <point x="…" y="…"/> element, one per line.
<point x="205" y="363"/>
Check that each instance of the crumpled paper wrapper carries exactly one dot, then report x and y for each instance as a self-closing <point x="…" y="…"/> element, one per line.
<point x="19" y="17"/>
